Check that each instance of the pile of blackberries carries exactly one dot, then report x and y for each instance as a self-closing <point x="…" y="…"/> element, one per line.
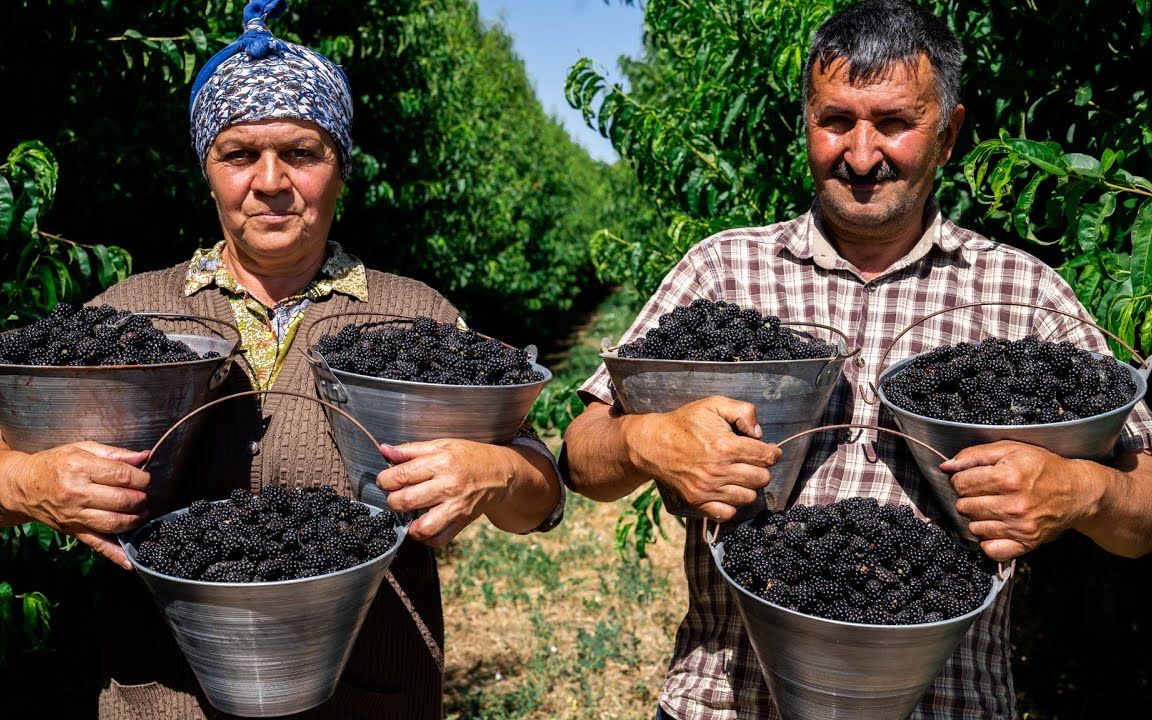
<point x="70" y="336"/>
<point x="857" y="561"/>
<point x="725" y="332"/>
<point x="276" y="535"/>
<point x="428" y="352"/>
<point x="1005" y="382"/>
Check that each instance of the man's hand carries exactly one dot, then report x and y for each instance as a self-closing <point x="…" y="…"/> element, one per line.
<point x="708" y="451"/>
<point x="455" y="480"/>
<point x="85" y="489"/>
<point x="1019" y="496"/>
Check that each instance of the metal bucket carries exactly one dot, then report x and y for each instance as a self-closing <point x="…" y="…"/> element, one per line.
<point x="789" y="395"/>
<point x="401" y="411"/>
<point x="126" y="406"/>
<point x="270" y="648"/>
<point x="1085" y="438"/>
<point x="819" y="669"/>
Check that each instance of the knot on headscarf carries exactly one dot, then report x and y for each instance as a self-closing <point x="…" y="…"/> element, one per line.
<point x="260" y="77"/>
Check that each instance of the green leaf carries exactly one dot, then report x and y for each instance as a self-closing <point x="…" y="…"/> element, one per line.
<point x="7" y="205"/>
<point x="44" y="535"/>
<point x="1021" y="214"/>
<point x="83" y="265"/>
<point x="106" y="273"/>
<point x="1141" y="263"/>
<point x="1048" y="156"/>
<point x="1093" y="220"/>
<point x="1084" y="165"/>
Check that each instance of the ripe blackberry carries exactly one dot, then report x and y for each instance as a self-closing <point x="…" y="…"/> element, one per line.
<point x="1001" y="382"/>
<point x="871" y="564"/>
<point x="721" y="331"/>
<point x="249" y="538"/>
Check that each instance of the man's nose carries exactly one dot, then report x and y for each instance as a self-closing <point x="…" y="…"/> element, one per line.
<point x="863" y="152"/>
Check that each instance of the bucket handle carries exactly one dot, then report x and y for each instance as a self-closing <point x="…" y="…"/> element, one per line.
<point x="874" y="384"/>
<point x="710" y="535"/>
<point x="532" y="350"/>
<point x="221" y="373"/>
<point x="429" y="639"/>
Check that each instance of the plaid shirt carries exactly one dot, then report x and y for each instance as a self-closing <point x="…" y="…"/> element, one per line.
<point x="792" y="270"/>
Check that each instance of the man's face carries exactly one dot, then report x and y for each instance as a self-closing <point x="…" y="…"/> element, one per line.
<point x="874" y="147"/>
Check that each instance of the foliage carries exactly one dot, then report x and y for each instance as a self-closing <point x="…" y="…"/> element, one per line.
<point x="461" y="179"/>
<point x="37" y="269"/>
<point x="1097" y="213"/>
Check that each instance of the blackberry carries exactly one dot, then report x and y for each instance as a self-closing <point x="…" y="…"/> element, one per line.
<point x="76" y="336"/>
<point x="249" y="538"/>
<point x="1002" y="382"/>
<point x="723" y="332"/>
<point x="869" y="564"/>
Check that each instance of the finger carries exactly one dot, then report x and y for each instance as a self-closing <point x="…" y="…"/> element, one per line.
<point x="446" y="535"/>
<point x="1003" y="550"/>
<point x="436" y="521"/>
<point x="117" y="500"/>
<point x="739" y="414"/>
<point x="735" y="495"/>
<point x="135" y="458"/>
<point x="117" y="474"/>
<point x="977" y="455"/>
<point x="106" y="546"/>
<point x="103" y="521"/>
<point x="980" y="480"/>
<point x="749" y="451"/>
<point x="1006" y="509"/>
<point x="409" y="451"/>
<point x="404" y="475"/>
<point x="718" y="511"/>
<point x="434" y="491"/>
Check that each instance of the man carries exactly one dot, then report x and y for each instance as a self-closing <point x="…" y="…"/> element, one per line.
<point x="874" y="254"/>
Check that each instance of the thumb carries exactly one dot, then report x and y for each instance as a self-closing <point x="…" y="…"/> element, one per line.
<point x="108" y="452"/>
<point x="106" y="546"/>
<point x="976" y="456"/>
<point x="740" y="415"/>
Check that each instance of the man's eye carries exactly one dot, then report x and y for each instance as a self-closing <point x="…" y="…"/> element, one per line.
<point x="237" y="156"/>
<point x="301" y="154"/>
<point x="836" y="123"/>
<point x="892" y="125"/>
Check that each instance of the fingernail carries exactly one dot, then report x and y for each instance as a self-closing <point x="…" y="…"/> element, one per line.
<point x="757" y="432"/>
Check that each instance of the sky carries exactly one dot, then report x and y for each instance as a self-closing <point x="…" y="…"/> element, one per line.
<point x="551" y="35"/>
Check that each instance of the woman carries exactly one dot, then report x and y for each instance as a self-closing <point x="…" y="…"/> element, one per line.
<point x="270" y="124"/>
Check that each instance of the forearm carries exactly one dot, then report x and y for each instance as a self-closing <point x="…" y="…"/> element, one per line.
<point x="11" y="508"/>
<point x="598" y="456"/>
<point x="1119" y="516"/>
<point x="532" y="493"/>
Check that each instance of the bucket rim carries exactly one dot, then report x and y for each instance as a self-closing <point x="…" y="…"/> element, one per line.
<point x="611" y="355"/>
<point x="414" y="383"/>
<point x="1141" y="389"/>
<point x="998" y="584"/>
<point x="93" y="368"/>
<point x="128" y="544"/>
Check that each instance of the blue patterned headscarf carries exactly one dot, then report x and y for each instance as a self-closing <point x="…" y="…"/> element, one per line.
<point x="260" y="77"/>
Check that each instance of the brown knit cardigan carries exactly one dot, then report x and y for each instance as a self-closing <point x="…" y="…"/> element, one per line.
<point x="391" y="673"/>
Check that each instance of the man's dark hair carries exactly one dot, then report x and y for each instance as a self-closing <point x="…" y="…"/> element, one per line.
<point x="873" y="34"/>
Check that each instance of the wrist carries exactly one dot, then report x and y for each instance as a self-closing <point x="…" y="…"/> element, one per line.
<point x="12" y="510"/>
<point x="636" y="432"/>
<point x="1092" y="489"/>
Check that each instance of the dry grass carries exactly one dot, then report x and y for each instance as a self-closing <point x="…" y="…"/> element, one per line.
<point x="559" y="625"/>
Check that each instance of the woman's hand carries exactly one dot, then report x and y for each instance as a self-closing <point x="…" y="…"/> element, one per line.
<point x="456" y="481"/>
<point x="85" y="489"/>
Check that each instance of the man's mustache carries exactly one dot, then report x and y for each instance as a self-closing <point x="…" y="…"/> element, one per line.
<point x="881" y="171"/>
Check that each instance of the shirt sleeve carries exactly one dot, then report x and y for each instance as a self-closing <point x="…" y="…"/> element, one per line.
<point x="1055" y="293"/>
<point x="683" y="284"/>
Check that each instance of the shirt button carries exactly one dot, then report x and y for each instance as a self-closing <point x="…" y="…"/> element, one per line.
<point x="859" y="361"/>
<point x="846" y="435"/>
<point x="870" y="287"/>
<point x="253" y="448"/>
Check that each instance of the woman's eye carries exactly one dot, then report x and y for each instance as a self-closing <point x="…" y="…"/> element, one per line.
<point x="237" y="156"/>
<point x="301" y="154"/>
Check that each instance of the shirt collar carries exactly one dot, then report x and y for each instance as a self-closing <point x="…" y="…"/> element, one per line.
<point x="340" y="273"/>
<point x="809" y="240"/>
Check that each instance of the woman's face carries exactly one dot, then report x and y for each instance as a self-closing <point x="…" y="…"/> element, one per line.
<point x="275" y="183"/>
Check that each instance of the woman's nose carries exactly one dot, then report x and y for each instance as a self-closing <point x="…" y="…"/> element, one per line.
<point x="271" y="176"/>
<point x="863" y="152"/>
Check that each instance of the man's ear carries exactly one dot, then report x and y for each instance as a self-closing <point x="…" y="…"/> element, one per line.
<point x="950" y="134"/>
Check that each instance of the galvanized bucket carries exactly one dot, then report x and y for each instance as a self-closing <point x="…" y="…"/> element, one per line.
<point x="270" y="648"/>
<point x="819" y="669"/>
<point x="1084" y="438"/>
<point x="400" y="411"/>
<point x="127" y="406"/>
<point x="789" y="395"/>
